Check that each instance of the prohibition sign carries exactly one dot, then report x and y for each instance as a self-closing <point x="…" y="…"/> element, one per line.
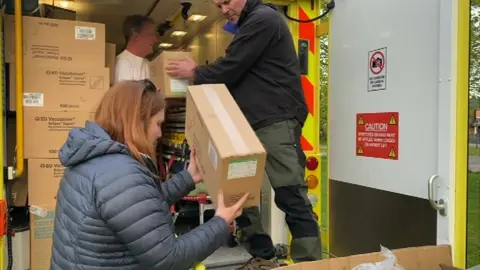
<point x="379" y="63"/>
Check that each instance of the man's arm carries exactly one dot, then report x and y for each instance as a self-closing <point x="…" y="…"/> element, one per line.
<point x="123" y="71"/>
<point x="247" y="46"/>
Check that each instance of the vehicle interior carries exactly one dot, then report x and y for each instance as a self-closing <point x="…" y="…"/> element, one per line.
<point x="198" y="27"/>
<point x="181" y="25"/>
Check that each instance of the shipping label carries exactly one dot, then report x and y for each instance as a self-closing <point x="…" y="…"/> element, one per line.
<point x="85" y="33"/>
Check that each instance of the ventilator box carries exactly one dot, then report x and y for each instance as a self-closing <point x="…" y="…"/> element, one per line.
<point x="158" y="75"/>
<point x="230" y="157"/>
<point x="47" y="131"/>
<point x="55" y="88"/>
<point x="59" y="42"/>
<point x="44" y="177"/>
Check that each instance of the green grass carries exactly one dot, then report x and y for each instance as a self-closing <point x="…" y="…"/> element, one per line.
<point x="323" y="148"/>
<point x="473" y="150"/>
<point x="473" y="220"/>
<point x="324" y="216"/>
<point x="324" y="167"/>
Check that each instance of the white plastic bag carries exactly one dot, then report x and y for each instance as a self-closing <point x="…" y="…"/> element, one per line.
<point x="390" y="262"/>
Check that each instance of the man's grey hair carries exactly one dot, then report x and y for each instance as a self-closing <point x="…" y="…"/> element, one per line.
<point x="134" y="24"/>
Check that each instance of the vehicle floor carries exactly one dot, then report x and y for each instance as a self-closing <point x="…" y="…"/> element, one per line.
<point x="227" y="258"/>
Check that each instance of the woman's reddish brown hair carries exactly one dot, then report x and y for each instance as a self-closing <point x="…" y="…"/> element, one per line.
<point x="125" y="112"/>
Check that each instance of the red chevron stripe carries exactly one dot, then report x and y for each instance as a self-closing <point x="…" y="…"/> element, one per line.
<point x="309" y="92"/>
<point x="306" y="30"/>
<point x="306" y="146"/>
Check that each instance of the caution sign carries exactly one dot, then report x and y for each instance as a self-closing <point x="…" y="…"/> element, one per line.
<point x="377" y="135"/>
<point x="377" y="69"/>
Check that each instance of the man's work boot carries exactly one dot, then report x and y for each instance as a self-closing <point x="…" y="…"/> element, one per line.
<point x="259" y="264"/>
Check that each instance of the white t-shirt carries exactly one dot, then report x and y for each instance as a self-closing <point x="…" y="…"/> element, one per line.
<point x="131" y="67"/>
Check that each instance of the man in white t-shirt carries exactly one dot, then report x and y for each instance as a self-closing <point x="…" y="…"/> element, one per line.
<point x="140" y="34"/>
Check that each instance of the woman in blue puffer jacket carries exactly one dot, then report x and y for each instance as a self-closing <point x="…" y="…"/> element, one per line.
<point x="112" y="211"/>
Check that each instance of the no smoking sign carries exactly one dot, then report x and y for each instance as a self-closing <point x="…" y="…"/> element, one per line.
<point x="377" y="69"/>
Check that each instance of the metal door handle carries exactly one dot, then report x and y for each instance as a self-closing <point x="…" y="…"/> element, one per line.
<point x="441" y="205"/>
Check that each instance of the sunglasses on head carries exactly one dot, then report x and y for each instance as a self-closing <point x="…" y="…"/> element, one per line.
<point x="149" y="86"/>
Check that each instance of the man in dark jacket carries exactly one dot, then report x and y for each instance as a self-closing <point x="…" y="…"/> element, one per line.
<point x="261" y="70"/>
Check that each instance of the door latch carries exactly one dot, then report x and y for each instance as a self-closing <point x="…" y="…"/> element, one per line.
<point x="440" y="205"/>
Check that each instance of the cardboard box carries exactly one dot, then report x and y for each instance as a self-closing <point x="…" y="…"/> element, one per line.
<point x="61" y="88"/>
<point x="111" y="59"/>
<point x="55" y="12"/>
<point x="229" y="155"/>
<point x="18" y="188"/>
<point x="18" y="191"/>
<point x="158" y="75"/>
<point x="46" y="132"/>
<point x="58" y="42"/>
<point x="419" y="258"/>
<point x="44" y="180"/>
<point x="41" y="234"/>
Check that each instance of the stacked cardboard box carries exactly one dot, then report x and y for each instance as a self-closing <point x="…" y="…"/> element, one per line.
<point x="172" y="88"/>
<point x="64" y="78"/>
<point x="173" y="151"/>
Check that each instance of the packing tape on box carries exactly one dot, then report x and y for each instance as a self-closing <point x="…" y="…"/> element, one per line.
<point x="233" y="134"/>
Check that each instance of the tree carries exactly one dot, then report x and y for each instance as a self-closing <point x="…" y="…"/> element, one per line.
<point x="474" y="83"/>
<point x="324" y="89"/>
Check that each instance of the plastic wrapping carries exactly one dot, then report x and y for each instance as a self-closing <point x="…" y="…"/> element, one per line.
<point x="390" y="262"/>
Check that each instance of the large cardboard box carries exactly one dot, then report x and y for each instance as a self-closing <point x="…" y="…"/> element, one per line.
<point x="61" y="88"/>
<point x="58" y="42"/>
<point x="229" y="155"/>
<point x="111" y="59"/>
<point x="158" y="75"/>
<point x="47" y="131"/>
<point x="44" y="179"/>
<point x="419" y="258"/>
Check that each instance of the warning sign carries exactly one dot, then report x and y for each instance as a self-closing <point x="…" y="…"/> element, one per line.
<point x="377" y="135"/>
<point x="377" y="70"/>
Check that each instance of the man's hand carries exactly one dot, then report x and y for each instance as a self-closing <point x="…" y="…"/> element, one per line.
<point x="181" y="69"/>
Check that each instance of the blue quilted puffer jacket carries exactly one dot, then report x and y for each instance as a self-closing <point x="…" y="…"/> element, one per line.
<point x="112" y="213"/>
